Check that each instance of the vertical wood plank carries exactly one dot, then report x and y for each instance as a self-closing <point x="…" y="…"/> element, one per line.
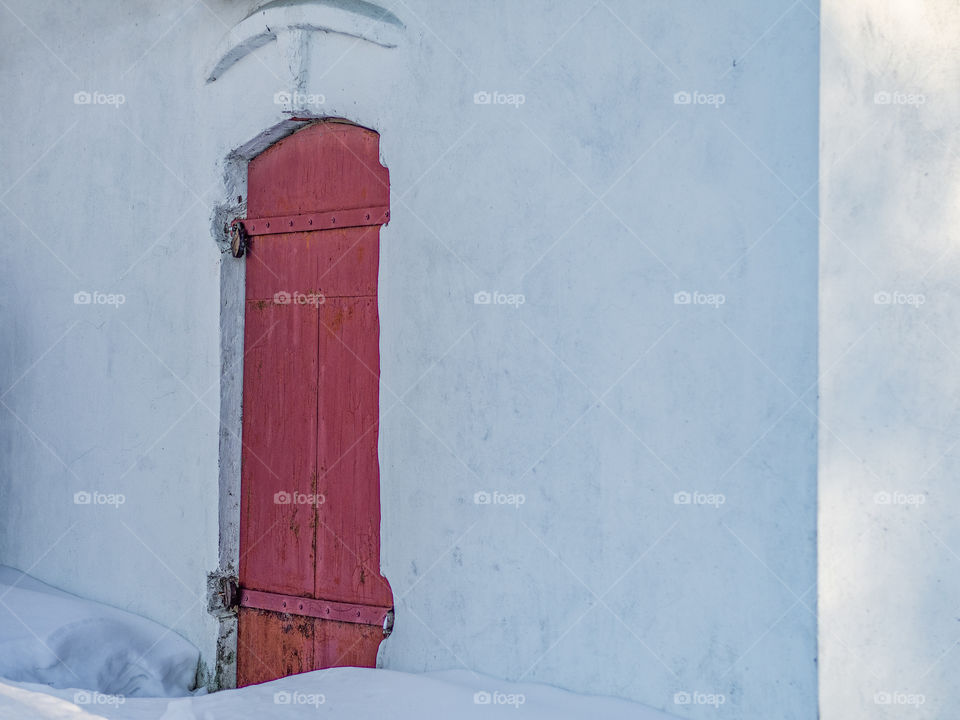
<point x="348" y="536"/>
<point x="279" y="448"/>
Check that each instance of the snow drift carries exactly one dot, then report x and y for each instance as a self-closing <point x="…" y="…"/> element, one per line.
<point x="66" y="658"/>
<point x="51" y="637"/>
<point x="335" y="694"/>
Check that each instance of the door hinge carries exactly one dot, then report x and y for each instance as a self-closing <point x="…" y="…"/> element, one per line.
<point x="242" y="229"/>
<point x="317" y="608"/>
<point x="307" y="222"/>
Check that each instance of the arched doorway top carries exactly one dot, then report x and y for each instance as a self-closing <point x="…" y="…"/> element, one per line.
<point x="282" y="20"/>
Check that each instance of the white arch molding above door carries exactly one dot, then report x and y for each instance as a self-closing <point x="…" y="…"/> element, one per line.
<point x="294" y="24"/>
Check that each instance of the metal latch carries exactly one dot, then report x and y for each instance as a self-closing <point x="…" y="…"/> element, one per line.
<point x="238" y="238"/>
<point x="223" y="593"/>
<point x="231" y="593"/>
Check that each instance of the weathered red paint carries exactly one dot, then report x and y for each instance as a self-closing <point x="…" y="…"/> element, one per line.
<point x="311" y="406"/>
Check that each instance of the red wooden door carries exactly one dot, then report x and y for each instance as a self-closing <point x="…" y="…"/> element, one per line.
<point x="311" y="592"/>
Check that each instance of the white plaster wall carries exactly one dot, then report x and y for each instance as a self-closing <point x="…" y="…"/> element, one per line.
<point x="115" y="399"/>
<point x="598" y="399"/>
<point x="889" y="537"/>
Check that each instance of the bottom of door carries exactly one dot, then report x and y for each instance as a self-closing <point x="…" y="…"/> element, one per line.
<point x="272" y="645"/>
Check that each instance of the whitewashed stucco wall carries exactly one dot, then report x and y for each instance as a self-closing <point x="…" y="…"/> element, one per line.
<point x="889" y="345"/>
<point x="114" y="399"/>
<point x="599" y="199"/>
<point x="599" y="398"/>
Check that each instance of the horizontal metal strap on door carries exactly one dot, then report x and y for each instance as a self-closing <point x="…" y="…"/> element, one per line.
<point x="357" y="217"/>
<point x="325" y="609"/>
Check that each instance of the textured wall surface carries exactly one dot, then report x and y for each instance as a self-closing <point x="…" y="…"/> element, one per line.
<point x="889" y="346"/>
<point x="604" y="478"/>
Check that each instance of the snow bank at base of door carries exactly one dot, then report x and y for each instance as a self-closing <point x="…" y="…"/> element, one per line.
<point x="66" y="657"/>
<point x="53" y="638"/>
<point x="335" y="694"/>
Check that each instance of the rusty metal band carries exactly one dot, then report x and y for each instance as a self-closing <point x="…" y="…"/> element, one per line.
<point x="325" y="609"/>
<point x="356" y="217"/>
